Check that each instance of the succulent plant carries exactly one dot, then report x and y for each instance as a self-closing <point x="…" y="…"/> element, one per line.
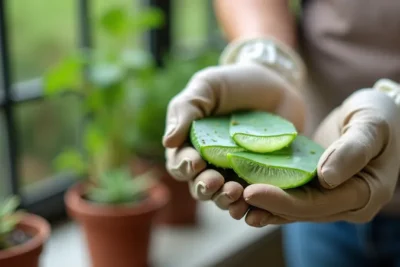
<point x="9" y="218"/>
<point x="118" y="188"/>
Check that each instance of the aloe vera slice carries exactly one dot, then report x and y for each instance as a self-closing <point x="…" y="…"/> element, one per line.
<point x="290" y="167"/>
<point x="210" y="136"/>
<point x="261" y="132"/>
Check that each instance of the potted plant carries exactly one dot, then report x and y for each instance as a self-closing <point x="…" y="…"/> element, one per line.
<point x="116" y="213"/>
<point x="22" y="235"/>
<point x="150" y="107"/>
<point x="114" y="205"/>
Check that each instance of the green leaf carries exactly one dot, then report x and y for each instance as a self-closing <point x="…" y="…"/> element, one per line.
<point x="148" y="18"/>
<point x="115" y="21"/>
<point x="94" y="139"/>
<point x="94" y="102"/>
<point x="100" y="195"/>
<point x="119" y="22"/>
<point x="71" y="160"/>
<point x="137" y="59"/>
<point x="106" y="75"/>
<point x="113" y="97"/>
<point x="111" y="178"/>
<point x="117" y="186"/>
<point x="9" y="224"/>
<point x="9" y="206"/>
<point x="144" y="181"/>
<point x="65" y="76"/>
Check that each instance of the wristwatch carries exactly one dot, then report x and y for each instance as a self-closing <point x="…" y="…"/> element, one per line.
<point x="270" y="53"/>
<point x="389" y="87"/>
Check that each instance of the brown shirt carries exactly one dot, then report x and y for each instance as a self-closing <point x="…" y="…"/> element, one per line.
<point x="348" y="45"/>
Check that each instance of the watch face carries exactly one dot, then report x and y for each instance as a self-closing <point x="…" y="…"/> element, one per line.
<point x="265" y="52"/>
<point x="389" y="87"/>
<point x="268" y="53"/>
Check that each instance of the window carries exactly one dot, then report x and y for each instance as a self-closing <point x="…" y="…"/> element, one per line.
<point x="33" y="36"/>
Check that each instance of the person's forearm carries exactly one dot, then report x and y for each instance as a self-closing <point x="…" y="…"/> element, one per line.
<point x="256" y="18"/>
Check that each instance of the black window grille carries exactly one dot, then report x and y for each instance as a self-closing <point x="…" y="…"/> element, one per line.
<point x="8" y="101"/>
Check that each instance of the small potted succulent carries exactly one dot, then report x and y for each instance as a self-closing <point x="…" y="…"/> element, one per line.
<point x="22" y="235"/>
<point x="116" y="212"/>
<point x="114" y="204"/>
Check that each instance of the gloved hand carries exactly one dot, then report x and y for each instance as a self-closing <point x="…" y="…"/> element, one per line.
<point x="357" y="173"/>
<point x="221" y="90"/>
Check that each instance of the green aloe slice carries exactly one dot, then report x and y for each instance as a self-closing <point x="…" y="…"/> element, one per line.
<point x="210" y="136"/>
<point x="290" y="167"/>
<point x="261" y="132"/>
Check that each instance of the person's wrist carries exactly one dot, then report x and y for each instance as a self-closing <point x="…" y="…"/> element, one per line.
<point x="270" y="53"/>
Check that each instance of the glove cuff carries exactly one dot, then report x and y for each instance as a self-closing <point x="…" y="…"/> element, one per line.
<point x="390" y="88"/>
<point x="270" y="53"/>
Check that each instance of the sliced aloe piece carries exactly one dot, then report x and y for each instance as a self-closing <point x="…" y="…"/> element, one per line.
<point x="210" y="136"/>
<point x="261" y="132"/>
<point x="290" y="167"/>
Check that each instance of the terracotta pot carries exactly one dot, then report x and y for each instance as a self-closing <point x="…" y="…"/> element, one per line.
<point x="117" y="236"/>
<point x="182" y="208"/>
<point x="27" y="254"/>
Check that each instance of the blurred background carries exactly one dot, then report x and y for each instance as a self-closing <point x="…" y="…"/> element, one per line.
<point x="34" y="36"/>
<point x="42" y="32"/>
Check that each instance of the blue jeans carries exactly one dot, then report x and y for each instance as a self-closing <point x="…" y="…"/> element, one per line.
<point x="342" y="244"/>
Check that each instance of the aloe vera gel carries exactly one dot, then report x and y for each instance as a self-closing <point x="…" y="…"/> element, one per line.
<point x="261" y="132"/>
<point x="210" y="136"/>
<point x="259" y="147"/>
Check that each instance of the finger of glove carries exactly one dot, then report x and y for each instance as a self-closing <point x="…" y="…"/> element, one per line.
<point x="228" y="194"/>
<point x="259" y="218"/>
<point x="184" y="163"/>
<point x="206" y="184"/>
<point x="196" y="101"/>
<point x="363" y="137"/>
<point x="367" y="118"/>
<point x="309" y="201"/>
<point x="238" y="209"/>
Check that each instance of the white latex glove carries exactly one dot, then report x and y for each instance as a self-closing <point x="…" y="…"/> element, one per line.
<point x="221" y="90"/>
<point x="357" y="174"/>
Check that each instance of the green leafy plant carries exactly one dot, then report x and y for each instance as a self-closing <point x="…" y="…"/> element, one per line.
<point x="106" y="81"/>
<point x="117" y="187"/>
<point x="9" y="219"/>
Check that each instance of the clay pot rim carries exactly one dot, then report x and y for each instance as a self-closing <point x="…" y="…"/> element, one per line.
<point x="157" y="198"/>
<point x="29" y="221"/>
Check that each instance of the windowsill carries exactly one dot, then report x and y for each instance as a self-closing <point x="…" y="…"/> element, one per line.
<point x="216" y="238"/>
